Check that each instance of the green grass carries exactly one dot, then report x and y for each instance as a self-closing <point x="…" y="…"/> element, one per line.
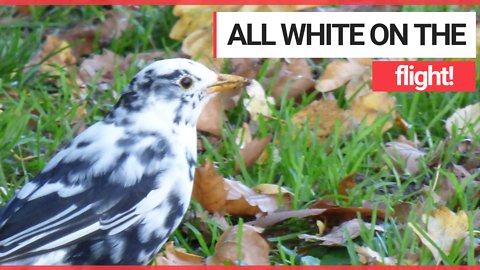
<point x="39" y="111"/>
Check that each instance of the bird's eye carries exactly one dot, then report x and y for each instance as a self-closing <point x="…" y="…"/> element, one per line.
<point x="186" y="82"/>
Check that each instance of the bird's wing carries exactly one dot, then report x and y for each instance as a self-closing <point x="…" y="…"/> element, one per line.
<point x="89" y="189"/>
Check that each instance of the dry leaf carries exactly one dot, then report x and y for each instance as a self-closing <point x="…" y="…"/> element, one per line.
<point x="257" y="103"/>
<point x="251" y="151"/>
<point x="217" y="194"/>
<point x="58" y="52"/>
<point x="101" y="67"/>
<point x="334" y="215"/>
<point x="246" y="67"/>
<point x="405" y="155"/>
<point x="368" y="256"/>
<point x="355" y="73"/>
<point x="348" y="182"/>
<point x="208" y="188"/>
<point x="373" y="106"/>
<point x="175" y="256"/>
<point x="253" y="248"/>
<point x="277" y="217"/>
<point x="466" y="120"/>
<point x="294" y="76"/>
<point x="211" y="117"/>
<point x="444" y="228"/>
<point x="84" y="36"/>
<point x="325" y="114"/>
<point x="339" y="235"/>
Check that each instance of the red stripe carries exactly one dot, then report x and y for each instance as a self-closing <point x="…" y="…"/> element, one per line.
<point x="214" y="34"/>
<point x="239" y="2"/>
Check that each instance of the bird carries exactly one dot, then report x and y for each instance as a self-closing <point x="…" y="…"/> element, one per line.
<point x="117" y="192"/>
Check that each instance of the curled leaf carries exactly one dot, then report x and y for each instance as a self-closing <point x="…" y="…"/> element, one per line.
<point x="253" y="248"/>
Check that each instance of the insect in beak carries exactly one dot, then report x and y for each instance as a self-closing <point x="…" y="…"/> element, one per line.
<point x="227" y="82"/>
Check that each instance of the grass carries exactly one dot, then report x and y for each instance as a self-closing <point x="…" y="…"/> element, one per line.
<point x="38" y="118"/>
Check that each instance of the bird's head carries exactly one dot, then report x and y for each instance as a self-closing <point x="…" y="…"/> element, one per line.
<point x="179" y="86"/>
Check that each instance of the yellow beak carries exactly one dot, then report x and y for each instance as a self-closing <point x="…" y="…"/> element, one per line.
<point x="228" y="82"/>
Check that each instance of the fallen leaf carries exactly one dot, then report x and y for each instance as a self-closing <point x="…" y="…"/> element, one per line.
<point x="83" y="36"/>
<point x="466" y="120"/>
<point x="241" y="200"/>
<point x="294" y="77"/>
<point x="176" y="256"/>
<point x="211" y="117"/>
<point x="277" y="217"/>
<point x="348" y="182"/>
<point x="324" y="116"/>
<point x="257" y="103"/>
<point x="372" y="107"/>
<point x="101" y="68"/>
<point x="405" y="155"/>
<point x="334" y="215"/>
<point x="208" y="188"/>
<point x="339" y="235"/>
<point x="251" y="151"/>
<point x="246" y="67"/>
<point x="444" y="228"/>
<point x="57" y="53"/>
<point x="368" y="256"/>
<point x="355" y="73"/>
<point x="253" y="248"/>
<point x="217" y="194"/>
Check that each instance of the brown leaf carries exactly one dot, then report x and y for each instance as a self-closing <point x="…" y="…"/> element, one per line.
<point x="466" y="120"/>
<point x="83" y="36"/>
<point x="444" y="228"/>
<point x="373" y="106"/>
<point x="339" y="235"/>
<point x="405" y="155"/>
<point x="368" y="256"/>
<point x="295" y="77"/>
<point x="347" y="183"/>
<point x="246" y="67"/>
<point x="335" y="215"/>
<point x="324" y="113"/>
<point x="62" y="55"/>
<point x="355" y="72"/>
<point x="251" y="151"/>
<point x="277" y="217"/>
<point x="175" y="256"/>
<point x="253" y="248"/>
<point x="211" y="118"/>
<point x="209" y="188"/>
<point x="101" y="67"/>
<point x="217" y="194"/>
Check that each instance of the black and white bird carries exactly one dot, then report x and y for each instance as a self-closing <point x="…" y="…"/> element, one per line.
<point x="117" y="192"/>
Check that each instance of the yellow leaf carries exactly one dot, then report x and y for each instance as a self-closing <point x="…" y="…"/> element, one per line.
<point x="355" y="73"/>
<point x="466" y="120"/>
<point x="325" y="114"/>
<point x="444" y="228"/>
<point x="373" y="106"/>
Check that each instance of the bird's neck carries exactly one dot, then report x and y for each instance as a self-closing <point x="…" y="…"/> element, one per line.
<point x="163" y="117"/>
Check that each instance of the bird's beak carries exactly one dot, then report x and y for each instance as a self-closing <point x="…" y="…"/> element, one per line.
<point x="228" y="82"/>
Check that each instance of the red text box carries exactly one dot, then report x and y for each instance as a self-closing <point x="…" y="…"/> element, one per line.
<point x="423" y="76"/>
